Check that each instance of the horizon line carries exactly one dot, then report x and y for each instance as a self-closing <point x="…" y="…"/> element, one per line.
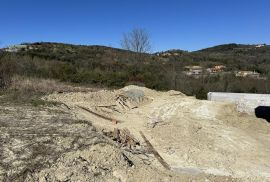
<point x="114" y="47"/>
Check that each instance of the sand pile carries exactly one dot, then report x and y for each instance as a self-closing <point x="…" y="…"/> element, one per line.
<point x="192" y="136"/>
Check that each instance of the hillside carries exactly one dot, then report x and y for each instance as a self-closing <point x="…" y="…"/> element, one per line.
<point x="233" y="56"/>
<point x="237" y="56"/>
<point x="111" y="67"/>
<point x="73" y="53"/>
<point x="238" y="49"/>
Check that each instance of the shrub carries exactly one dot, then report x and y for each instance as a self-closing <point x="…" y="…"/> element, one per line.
<point x="201" y="94"/>
<point x="7" y="70"/>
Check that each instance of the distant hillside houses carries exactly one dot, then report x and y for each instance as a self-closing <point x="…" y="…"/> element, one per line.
<point x="260" y="45"/>
<point x="197" y="71"/>
<point x="17" y="48"/>
<point x="249" y="74"/>
<point x="164" y="54"/>
<point x="169" y="53"/>
<point x="216" y="69"/>
<point x="194" y="71"/>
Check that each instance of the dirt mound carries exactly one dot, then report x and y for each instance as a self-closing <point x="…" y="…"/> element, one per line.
<point x="50" y="145"/>
<point x="192" y="136"/>
<point x="131" y="99"/>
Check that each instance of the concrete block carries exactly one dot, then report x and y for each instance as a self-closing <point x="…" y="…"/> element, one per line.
<point x="246" y="103"/>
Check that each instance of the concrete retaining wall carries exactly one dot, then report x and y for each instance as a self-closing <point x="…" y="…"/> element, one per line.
<point x="245" y="102"/>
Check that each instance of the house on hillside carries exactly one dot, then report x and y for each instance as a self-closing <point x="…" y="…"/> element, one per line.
<point x="248" y="74"/>
<point x="260" y="45"/>
<point x="216" y="69"/>
<point x="195" y="71"/>
<point x="15" y="48"/>
<point x="164" y="54"/>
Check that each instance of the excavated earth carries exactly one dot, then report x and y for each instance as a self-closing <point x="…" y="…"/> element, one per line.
<point x="198" y="140"/>
<point x="192" y="136"/>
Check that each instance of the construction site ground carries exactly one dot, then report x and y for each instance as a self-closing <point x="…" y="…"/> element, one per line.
<point x="132" y="134"/>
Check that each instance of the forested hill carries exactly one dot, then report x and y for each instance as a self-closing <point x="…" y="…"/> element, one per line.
<point x="245" y="57"/>
<point x="237" y="48"/>
<point x="113" y="67"/>
<point x="233" y="56"/>
<point x="74" y="53"/>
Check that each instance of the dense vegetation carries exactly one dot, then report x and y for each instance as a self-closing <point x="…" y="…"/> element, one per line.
<point x="105" y="66"/>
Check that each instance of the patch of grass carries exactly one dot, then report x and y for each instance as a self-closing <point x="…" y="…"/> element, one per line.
<point x="29" y="91"/>
<point x="23" y="97"/>
<point x="40" y="102"/>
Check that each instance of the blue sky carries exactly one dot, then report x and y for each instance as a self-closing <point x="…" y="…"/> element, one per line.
<point x="172" y="24"/>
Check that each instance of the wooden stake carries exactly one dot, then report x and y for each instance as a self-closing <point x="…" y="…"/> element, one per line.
<point x="156" y="154"/>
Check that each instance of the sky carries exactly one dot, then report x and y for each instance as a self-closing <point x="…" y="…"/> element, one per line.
<point x="172" y="24"/>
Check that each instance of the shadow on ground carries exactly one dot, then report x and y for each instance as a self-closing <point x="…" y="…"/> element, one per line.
<point x="263" y="112"/>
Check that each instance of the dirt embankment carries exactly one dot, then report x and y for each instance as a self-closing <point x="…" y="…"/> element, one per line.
<point x="192" y="136"/>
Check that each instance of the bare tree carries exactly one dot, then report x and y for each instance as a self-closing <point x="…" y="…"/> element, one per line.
<point x="138" y="40"/>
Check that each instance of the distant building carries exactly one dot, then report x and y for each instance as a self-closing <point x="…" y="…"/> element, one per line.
<point x="195" y="71"/>
<point x="260" y="45"/>
<point x="164" y="54"/>
<point x="15" y="48"/>
<point x="248" y="74"/>
<point x="216" y="69"/>
<point x="173" y="52"/>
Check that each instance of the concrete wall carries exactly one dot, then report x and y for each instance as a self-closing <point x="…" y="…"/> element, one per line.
<point x="245" y="102"/>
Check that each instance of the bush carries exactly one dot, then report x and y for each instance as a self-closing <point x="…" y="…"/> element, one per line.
<point x="7" y="70"/>
<point x="201" y="94"/>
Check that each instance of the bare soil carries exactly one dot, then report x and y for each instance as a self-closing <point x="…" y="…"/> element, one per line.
<point x="198" y="140"/>
<point x="49" y="144"/>
<point x="192" y="136"/>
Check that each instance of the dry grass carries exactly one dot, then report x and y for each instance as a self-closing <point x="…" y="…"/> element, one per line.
<point x="25" y="90"/>
<point x="45" y="86"/>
